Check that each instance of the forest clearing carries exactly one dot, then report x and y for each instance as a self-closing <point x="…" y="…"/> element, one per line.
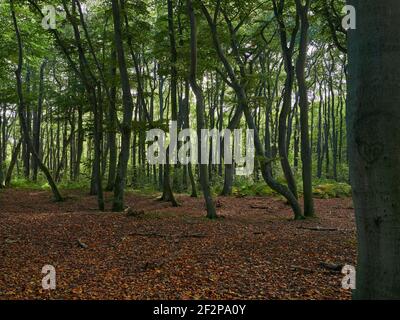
<point x="256" y="251"/>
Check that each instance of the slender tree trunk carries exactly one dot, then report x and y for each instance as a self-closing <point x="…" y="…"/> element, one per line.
<point x="243" y="104"/>
<point x="37" y="120"/>
<point x="211" y="212"/>
<point x="287" y="52"/>
<point x="306" y="159"/>
<point x="167" y="189"/>
<point x="112" y="126"/>
<point x="79" y="148"/>
<point x="13" y="161"/>
<point x="187" y="126"/>
<point x="1" y="150"/>
<point x="120" y="179"/>
<point x="21" y="109"/>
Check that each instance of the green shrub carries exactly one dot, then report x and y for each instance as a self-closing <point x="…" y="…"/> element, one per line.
<point x="22" y="183"/>
<point x="332" y="190"/>
<point x="70" y="185"/>
<point x="251" y="188"/>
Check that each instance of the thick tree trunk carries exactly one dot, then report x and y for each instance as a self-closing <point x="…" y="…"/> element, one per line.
<point x="373" y="116"/>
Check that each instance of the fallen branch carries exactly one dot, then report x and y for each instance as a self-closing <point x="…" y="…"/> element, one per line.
<point x="158" y="235"/>
<point x="318" y="228"/>
<point x="193" y="235"/>
<point x="331" y="266"/>
<point x="253" y="206"/>
<point x="151" y="234"/>
<point x="301" y="268"/>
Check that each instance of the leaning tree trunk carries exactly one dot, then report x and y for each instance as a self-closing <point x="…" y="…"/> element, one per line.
<point x="211" y="212"/>
<point x="13" y="161"/>
<point x="21" y="110"/>
<point x="373" y="116"/>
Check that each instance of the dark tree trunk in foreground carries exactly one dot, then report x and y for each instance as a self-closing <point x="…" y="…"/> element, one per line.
<point x="204" y="181"/>
<point x="373" y="116"/>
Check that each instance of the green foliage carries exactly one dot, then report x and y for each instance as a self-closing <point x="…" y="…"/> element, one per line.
<point x="22" y="183"/>
<point x="247" y="187"/>
<point x="264" y="74"/>
<point x="71" y="185"/>
<point x="332" y="190"/>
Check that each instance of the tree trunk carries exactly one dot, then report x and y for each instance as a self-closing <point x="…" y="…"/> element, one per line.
<point x="204" y="181"/>
<point x="13" y="161"/>
<point x="120" y="179"/>
<point x="21" y="110"/>
<point x="303" y="103"/>
<point x="112" y="126"/>
<point x="373" y="116"/>
<point x="167" y="189"/>
<point x="37" y="119"/>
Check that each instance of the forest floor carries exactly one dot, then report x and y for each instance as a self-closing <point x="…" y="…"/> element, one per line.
<point x="255" y="251"/>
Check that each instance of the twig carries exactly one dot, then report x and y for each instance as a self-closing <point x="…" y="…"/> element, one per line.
<point x="154" y="234"/>
<point x="318" y="228"/>
<point x="301" y="268"/>
<point x="253" y="206"/>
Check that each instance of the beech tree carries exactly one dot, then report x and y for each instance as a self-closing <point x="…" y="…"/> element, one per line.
<point x="211" y="212"/>
<point x="110" y="71"/>
<point x="374" y="142"/>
